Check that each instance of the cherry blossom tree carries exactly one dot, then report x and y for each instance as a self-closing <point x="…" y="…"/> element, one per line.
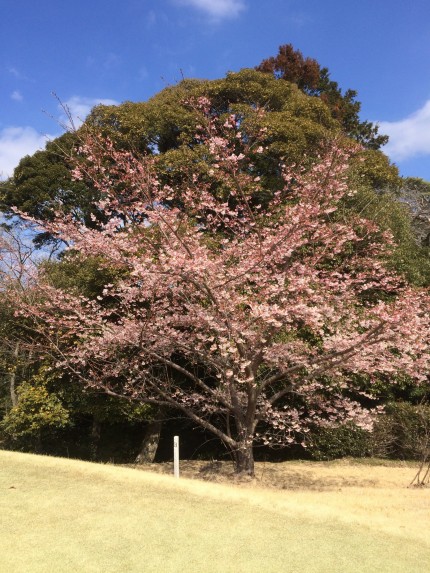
<point x="251" y="313"/>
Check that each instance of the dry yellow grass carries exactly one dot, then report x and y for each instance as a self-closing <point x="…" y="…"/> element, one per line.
<point x="63" y="515"/>
<point x="349" y="491"/>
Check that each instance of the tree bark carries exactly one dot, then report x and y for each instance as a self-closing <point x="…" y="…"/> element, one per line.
<point x="244" y="460"/>
<point x="12" y="378"/>
<point x="96" y="429"/>
<point x="13" y="396"/>
<point x="149" y="445"/>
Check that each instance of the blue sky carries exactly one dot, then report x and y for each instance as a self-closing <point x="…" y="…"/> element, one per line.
<point x="91" y="51"/>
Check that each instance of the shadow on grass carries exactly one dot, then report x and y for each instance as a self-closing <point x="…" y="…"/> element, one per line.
<point x="270" y="475"/>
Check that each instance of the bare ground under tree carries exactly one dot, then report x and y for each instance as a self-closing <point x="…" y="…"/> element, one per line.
<point x="297" y="475"/>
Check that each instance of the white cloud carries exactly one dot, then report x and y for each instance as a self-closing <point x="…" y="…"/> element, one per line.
<point x="16" y="95"/>
<point x="151" y="19"/>
<point x="16" y="73"/>
<point x="79" y="107"/>
<point x="409" y="137"/>
<point x="15" y="143"/>
<point x="217" y="9"/>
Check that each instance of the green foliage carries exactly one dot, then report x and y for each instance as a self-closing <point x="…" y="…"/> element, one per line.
<point x="373" y="169"/>
<point x="87" y="277"/>
<point x="339" y="442"/>
<point x="37" y="410"/>
<point x="105" y="409"/>
<point x="297" y="128"/>
<point x="384" y="208"/>
<point x="42" y="183"/>
<point x="403" y="432"/>
<point x="54" y="414"/>
<point x="419" y="186"/>
<point x="290" y="65"/>
<point x="415" y="193"/>
<point x="296" y="124"/>
<point x="52" y="408"/>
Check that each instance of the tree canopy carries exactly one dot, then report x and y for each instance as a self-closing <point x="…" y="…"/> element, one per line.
<point x="290" y="65"/>
<point x="297" y="126"/>
<point x="252" y="319"/>
<point x="232" y="253"/>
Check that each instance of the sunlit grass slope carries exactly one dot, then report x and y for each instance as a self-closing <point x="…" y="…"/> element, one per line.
<point x="68" y="516"/>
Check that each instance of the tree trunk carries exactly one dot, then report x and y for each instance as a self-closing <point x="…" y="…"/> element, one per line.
<point x="244" y="460"/>
<point x="12" y="389"/>
<point x="150" y="441"/>
<point x="37" y="447"/>
<point x="96" y="429"/>
<point x="12" y="379"/>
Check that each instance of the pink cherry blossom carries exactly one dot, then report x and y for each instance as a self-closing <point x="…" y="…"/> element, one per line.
<point x="251" y="321"/>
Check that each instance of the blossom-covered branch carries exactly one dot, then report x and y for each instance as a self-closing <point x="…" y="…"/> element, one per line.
<point x="232" y="304"/>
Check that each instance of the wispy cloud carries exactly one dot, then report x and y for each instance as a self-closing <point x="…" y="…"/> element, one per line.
<point x="151" y="19"/>
<point x="15" y="143"/>
<point x="16" y="95"/>
<point x="409" y="137"/>
<point x="216" y="9"/>
<point x="79" y="107"/>
<point x="111" y="61"/>
<point x="15" y="73"/>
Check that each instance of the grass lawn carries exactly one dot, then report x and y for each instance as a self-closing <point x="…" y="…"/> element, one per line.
<point x="65" y="516"/>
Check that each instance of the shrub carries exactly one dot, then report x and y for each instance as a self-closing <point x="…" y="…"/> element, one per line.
<point x="338" y="442"/>
<point x="37" y="411"/>
<point x="403" y="432"/>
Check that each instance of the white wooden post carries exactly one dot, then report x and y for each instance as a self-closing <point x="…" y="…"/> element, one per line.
<point x="176" y="456"/>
